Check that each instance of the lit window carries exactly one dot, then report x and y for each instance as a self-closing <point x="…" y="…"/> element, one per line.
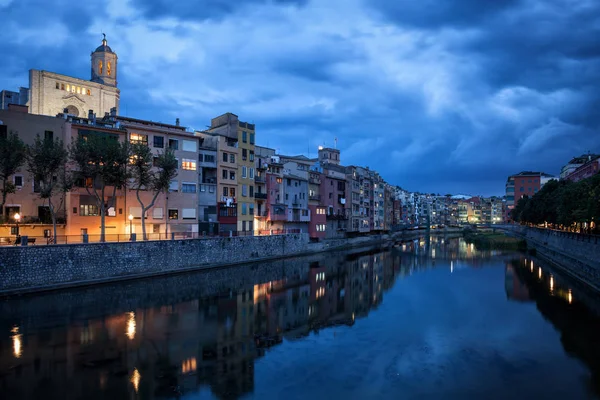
<point x="189" y="165"/>
<point x="99" y="67"/>
<point x="108" y="71"/>
<point x="78" y="90"/>
<point x="68" y="87"/>
<point x="137" y="138"/>
<point x="89" y="92"/>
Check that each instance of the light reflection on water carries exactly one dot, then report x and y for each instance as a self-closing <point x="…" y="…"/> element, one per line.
<point x="434" y="304"/>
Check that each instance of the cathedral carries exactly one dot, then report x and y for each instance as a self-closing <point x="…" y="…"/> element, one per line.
<point x="50" y="93"/>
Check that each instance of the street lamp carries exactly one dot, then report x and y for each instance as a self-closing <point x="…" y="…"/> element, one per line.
<point x="17" y="218"/>
<point x="130" y="222"/>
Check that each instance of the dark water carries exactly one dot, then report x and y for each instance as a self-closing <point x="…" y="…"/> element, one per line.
<point x="427" y="319"/>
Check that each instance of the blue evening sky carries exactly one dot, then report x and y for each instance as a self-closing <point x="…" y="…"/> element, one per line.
<point x="439" y="96"/>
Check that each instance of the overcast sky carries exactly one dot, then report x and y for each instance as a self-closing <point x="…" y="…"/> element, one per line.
<point x="439" y="96"/>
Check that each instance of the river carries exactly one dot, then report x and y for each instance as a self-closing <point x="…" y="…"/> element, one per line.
<point x="431" y="318"/>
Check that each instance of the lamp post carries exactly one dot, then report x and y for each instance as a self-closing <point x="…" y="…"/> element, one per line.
<point x="17" y="218"/>
<point x="130" y="224"/>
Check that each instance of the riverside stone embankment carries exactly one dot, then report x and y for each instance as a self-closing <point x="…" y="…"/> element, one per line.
<point x="576" y="254"/>
<point x="39" y="268"/>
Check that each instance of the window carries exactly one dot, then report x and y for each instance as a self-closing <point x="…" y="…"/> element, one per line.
<point x="232" y="158"/>
<point x="174" y="186"/>
<point x="522" y="189"/>
<point x="251" y="209"/>
<point x="48" y="135"/>
<point x="157" y="213"/>
<point x="224" y="174"/>
<point x="62" y="86"/>
<point x="244" y="154"/>
<point x="203" y="188"/>
<point x="251" y="174"/>
<point x="173" y="213"/>
<point x="159" y="142"/>
<point x="330" y="195"/>
<point x="57" y="85"/>
<point x="99" y="70"/>
<point x="225" y="191"/>
<point x="137" y="138"/>
<point x="232" y="192"/>
<point x="189" y="145"/>
<point x="287" y="196"/>
<point x="244" y="190"/>
<point x="251" y="191"/>
<point x="209" y="158"/>
<point x="251" y="155"/>
<point x="188" y="213"/>
<point x="279" y="180"/>
<point x="174" y="144"/>
<point x="211" y="189"/>
<point x="251" y="138"/>
<point x="108" y="70"/>
<point x="244" y="208"/>
<point x="88" y="210"/>
<point x="243" y="226"/>
<point x="289" y="182"/>
<point x="188" y="165"/>
<point x="225" y="157"/>
<point x="136" y="212"/>
<point x="244" y="172"/>
<point x="244" y="136"/>
<point x="232" y="175"/>
<point x="18" y="180"/>
<point x="89" y="92"/>
<point x="188" y="188"/>
<point x="305" y="213"/>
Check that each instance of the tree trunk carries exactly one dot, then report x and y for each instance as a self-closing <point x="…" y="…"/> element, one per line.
<point x="53" y="214"/>
<point x="102" y="214"/>
<point x="2" y="211"/>
<point x="143" y="214"/>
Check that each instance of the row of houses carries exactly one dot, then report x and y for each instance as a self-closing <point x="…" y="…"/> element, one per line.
<point x="225" y="184"/>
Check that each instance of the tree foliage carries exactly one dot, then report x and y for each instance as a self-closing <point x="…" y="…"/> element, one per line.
<point x="12" y="157"/>
<point x="46" y="162"/>
<point x="566" y="205"/>
<point x="152" y="175"/>
<point x="101" y="162"/>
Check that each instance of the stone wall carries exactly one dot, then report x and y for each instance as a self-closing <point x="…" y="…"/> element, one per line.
<point x="34" y="268"/>
<point x="577" y="254"/>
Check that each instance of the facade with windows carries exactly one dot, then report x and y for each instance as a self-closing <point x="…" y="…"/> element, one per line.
<point x="177" y="210"/>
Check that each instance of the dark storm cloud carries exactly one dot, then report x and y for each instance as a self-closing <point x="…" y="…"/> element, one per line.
<point x="206" y="9"/>
<point x="439" y="96"/>
<point x="438" y="13"/>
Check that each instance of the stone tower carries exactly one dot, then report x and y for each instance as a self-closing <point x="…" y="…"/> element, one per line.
<point x="104" y="65"/>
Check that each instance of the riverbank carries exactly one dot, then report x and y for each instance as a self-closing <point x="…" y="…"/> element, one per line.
<point x="495" y="241"/>
<point x="576" y="254"/>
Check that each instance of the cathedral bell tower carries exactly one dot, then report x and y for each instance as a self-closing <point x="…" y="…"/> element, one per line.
<point x="104" y="65"/>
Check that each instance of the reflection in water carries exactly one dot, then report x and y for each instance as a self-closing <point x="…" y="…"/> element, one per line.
<point x="16" y="340"/>
<point x="131" y="326"/>
<point x="206" y="331"/>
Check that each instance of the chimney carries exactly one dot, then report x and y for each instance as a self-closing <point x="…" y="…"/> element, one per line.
<point x="90" y="114"/>
<point x="113" y="112"/>
<point x="177" y="122"/>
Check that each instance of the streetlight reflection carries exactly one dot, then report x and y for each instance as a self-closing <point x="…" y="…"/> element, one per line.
<point x="135" y="379"/>
<point x="131" y="326"/>
<point x="16" y="339"/>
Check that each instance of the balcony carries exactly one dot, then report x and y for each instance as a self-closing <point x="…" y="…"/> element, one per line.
<point x="338" y="216"/>
<point x="314" y="197"/>
<point x="260" y="196"/>
<point x="278" y="217"/>
<point x="261" y="214"/>
<point x="314" y="181"/>
<point x="259" y="179"/>
<point x="296" y="205"/>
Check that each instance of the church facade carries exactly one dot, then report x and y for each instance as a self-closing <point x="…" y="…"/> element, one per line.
<point x="51" y="93"/>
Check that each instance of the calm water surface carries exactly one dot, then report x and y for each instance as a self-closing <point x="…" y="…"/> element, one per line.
<point x="427" y="319"/>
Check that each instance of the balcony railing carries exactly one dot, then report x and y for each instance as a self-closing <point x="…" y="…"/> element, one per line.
<point x="259" y="179"/>
<point x="260" y="196"/>
<point x="314" y="197"/>
<point x="296" y="205"/>
<point x="314" y="181"/>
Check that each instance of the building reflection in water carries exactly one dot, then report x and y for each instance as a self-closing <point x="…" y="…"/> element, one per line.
<point x="180" y="343"/>
<point x="169" y="336"/>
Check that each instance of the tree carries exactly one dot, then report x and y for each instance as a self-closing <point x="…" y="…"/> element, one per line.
<point x="155" y="180"/>
<point x="101" y="161"/>
<point x="12" y="156"/>
<point x="46" y="162"/>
